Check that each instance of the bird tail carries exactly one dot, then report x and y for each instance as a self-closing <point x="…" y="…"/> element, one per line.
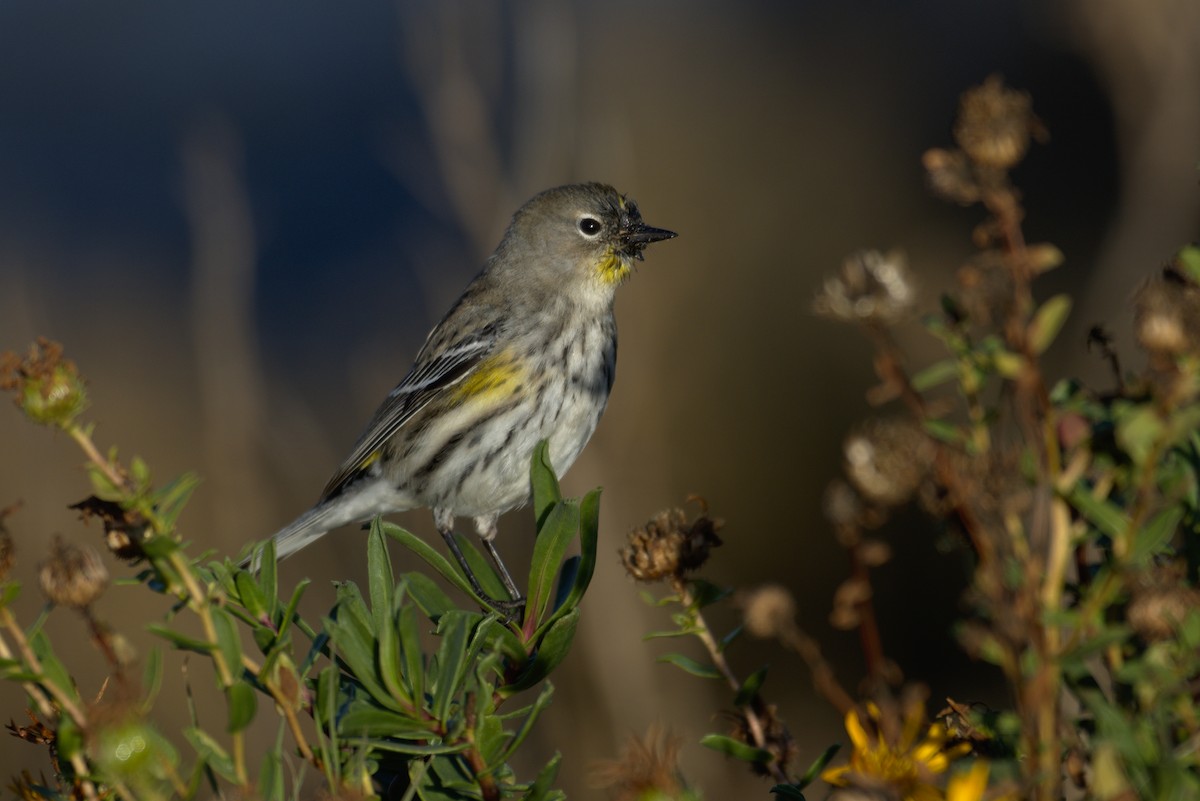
<point x="304" y="530"/>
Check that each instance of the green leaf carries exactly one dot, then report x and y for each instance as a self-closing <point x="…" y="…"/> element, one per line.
<point x="242" y="705"/>
<point x="173" y="497"/>
<point x="152" y="676"/>
<point x="359" y="656"/>
<point x="736" y="749"/>
<point x="663" y="635"/>
<point x="1152" y="539"/>
<point x="544" y="484"/>
<point x="53" y="670"/>
<point x="1139" y="430"/>
<point x="413" y="749"/>
<point x="1007" y="364"/>
<point x="934" y="374"/>
<point x="943" y="431"/>
<point x="228" y="642"/>
<point x="325" y="717"/>
<point x="750" y="687"/>
<point x="428" y="596"/>
<point x="9" y="592"/>
<point x="535" y="711"/>
<point x="818" y="765"/>
<point x="1107" y="517"/>
<point x="483" y="569"/>
<point x="1188" y="260"/>
<point x="589" y="541"/>
<point x="787" y="791"/>
<point x="540" y="789"/>
<point x="362" y="719"/>
<point x="284" y="621"/>
<point x="250" y="596"/>
<point x="553" y="537"/>
<point x="728" y="639"/>
<point x="705" y="593"/>
<point x="268" y="578"/>
<point x="270" y="775"/>
<point x="211" y="752"/>
<point x="412" y="654"/>
<point x="380" y="584"/>
<point x="431" y="556"/>
<point x="552" y="649"/>
<point x="454" y="628"/>
<point x="691" y="666"/>
<point x="68" y="739"/>
<point x="1048" y="321"/>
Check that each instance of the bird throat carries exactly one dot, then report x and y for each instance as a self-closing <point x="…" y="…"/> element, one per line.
<point x="613" y="268"/>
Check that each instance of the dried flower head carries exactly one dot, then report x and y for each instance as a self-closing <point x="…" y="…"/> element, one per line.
<point x="777" y="739"/>
<point x="886" y="459"/>
<point x="73" y="576"/>
<point x="124" y="530"/>
<point x="648" y="768"/>
<point x="1167" y="313"/>
<point x="667" y="546"/>
<point x="995" y="124"/>
<point x="1162" y="601"/>
<point x="870" y="287"/>
<point x="769" y="611"/>
<point x="950" y="176"/>
<point x="48" y="387"/>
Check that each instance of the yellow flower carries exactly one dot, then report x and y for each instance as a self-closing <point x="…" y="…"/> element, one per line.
<point x="906" y="762"/>
<point x="969" y="785"/>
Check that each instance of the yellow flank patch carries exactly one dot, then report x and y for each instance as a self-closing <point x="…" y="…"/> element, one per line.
<point x="494" y="376"/>
<point x="370" y="460"/>
<point x="612" y="269"/>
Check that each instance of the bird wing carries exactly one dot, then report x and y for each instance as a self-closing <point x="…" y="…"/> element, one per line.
<point x="430" y="375"/>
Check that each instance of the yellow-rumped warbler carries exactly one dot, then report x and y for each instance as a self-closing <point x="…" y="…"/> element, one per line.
<point x="527" y="353"/>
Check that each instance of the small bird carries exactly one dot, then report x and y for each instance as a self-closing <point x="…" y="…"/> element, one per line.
<point x="527" y="353"/>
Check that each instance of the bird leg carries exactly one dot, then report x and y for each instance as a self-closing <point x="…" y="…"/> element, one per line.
<point x="487" y="529"/>
<point x="444" y="521"/>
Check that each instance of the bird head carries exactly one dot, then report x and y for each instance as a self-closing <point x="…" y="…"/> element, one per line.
<point x="580" y="239"/>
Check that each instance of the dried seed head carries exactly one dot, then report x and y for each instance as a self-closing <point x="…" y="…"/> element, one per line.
<point x="887" y="459"/>
<point x="778" y="740"/>
<point x="1167" y="314"/>
<point x="870" y="287"/>
<point x="667" y="546"/>
<point x="1161" y="602"/>
<point x="48" y="387"/>
<point x="995" y="124"/>
<point x="73" y="576"/>
<point x="768" y="611"/>
<point x="647" y="768"/>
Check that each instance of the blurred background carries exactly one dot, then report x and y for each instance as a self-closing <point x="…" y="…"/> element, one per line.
<point x="242" y="219"/>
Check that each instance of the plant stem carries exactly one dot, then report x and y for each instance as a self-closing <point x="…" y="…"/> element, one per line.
<point x="753" y="721"/>
<point x="65" y="704"/>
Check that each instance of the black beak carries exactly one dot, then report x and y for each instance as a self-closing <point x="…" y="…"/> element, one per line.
<point x="638" y="235"/>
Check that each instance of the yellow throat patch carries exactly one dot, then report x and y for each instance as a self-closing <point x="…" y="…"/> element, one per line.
<point x="612" y="268"/>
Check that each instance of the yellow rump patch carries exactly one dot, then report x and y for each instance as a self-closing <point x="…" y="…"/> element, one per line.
<point x="370" y="460"/>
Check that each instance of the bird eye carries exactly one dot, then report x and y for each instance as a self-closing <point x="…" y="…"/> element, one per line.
<point x="589" y="226"/>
